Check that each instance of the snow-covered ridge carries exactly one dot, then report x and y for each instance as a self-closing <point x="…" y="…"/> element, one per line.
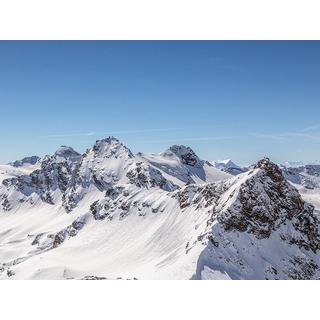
<point x="112" y="214"/>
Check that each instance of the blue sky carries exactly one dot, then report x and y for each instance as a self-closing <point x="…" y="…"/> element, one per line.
<point x="239" y="100"/>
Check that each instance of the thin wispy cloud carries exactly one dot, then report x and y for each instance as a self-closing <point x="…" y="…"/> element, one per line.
<point x="89" y="134"/>
<point x="271" y="136"/>
<point x="190" y="139"/>
<point x="70" y="135"/>
<point x="288" y="136"/>
<point x="311" y="128"/>
<point x="314" y="137"/>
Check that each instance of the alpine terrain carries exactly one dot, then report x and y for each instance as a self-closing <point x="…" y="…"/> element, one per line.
<point x="112" y="214"/>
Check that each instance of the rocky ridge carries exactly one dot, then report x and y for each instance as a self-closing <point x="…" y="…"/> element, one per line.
<point x="252" y="226"/>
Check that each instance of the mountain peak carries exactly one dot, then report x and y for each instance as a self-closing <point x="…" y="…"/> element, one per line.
<point x="186" y="154"/>
<point x="228" y="166"/>
<point x="111" y="146"/>
<point x="66" y="152"/>
<point x="271" y="169"/>
<point x="228" y="163"/>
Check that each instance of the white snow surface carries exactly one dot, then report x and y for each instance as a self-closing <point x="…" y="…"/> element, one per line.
<point x="144" y="216"/>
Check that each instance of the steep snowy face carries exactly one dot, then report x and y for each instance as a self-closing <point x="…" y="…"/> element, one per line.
<point x="264" y="202"/>
<point x="186" y="154"/>
<point x="110" y="214"/>
<point x="262" y="229"/>
<point x="46" y="183"/>
<point x="258" y="227"/>
<point x="106" y="163"/>
<point x="27" y="161"/>
<point x="110" y="148"/>
<point x="68" y="177"/>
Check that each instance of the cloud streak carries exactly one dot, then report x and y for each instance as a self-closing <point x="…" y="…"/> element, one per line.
<point x="89" y="134"/>
<point x="311" y="128"/>
<point x="70" y="135"/>
<point x="289" y="136"/>
<point x="190" y="139"/>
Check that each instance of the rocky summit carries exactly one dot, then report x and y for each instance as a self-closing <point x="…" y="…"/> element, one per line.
<point x="111" y="214"/>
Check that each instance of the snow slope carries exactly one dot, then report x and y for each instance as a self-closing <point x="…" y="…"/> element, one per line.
<point x="110" y="214"/>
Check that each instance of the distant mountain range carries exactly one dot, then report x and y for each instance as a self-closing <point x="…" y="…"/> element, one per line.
<point x="307" y="176"/>
<point x="292" y="164"/>
<point x="112" y="214"/>
<point x="25" y="161"/>
<point x="229" y="167"/>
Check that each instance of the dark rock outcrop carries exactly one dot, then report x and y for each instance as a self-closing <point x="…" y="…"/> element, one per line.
<point x="186" y="154"/>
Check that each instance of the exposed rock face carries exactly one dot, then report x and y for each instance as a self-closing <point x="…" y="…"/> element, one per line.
<point x="5" y="203"/>
<point x="267" y="201"/>
<point x="103" y="166"/>
<point x="248" y="216"/>
<point x="53" y="175"/>
<point x="144" y="176"/>
<point x="71" y="174"/>
<point x="302" y="269"/>
<point x="252" y="226"/>
<point x="68" y="176"/>
<point x="187" y="155"/>
<point x="200" y="196"/>
<point x="70" y="231"/>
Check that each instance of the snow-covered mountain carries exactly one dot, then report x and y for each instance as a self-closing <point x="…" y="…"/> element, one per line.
<point x="307" y="176"/>
<point x="27" y="161"/>
<point x="229" y="166"/>
<point x="111" y="214"/>
<point x="307" y="180"/>
<point x="292" y="164"/>
<point x="295" y="164"/>
<point x="181" y="165"/>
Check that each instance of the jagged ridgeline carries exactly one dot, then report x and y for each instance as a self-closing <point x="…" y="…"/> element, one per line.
<point x="111" y="214"/>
